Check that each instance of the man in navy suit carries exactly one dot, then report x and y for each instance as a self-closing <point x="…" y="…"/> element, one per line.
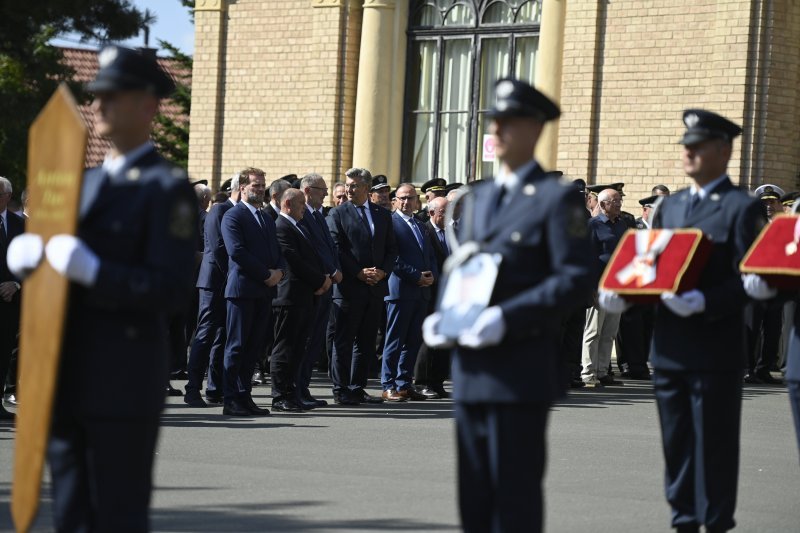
<point x="407" y="302"/>
<point x="433" y="365"/>
<point x="505" y="364"/>
<point x="698" y="348"/>
<point x="209" y="340"/>
<point x="367" y="250"/>
<point x="313" y="222"/>
<point x="130" y="265"/>
<point x="293" y="306"/>
<point x="11" y="225"/>
<point x="255" y="266"/>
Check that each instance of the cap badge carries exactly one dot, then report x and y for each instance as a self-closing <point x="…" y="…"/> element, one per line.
<point x="691" y="120"/>
<point x="107" y="56"/>
<point x="504" y="89"/>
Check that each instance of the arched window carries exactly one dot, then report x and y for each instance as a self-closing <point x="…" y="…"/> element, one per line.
<point x="457" y="50"/>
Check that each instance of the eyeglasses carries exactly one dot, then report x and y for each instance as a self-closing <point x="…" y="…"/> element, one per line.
<point x="404" y="198"/>
<point x="353" y="185"/>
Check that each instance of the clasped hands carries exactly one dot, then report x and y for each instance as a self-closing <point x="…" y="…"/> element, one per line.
<point x="425" y="279"/>
<point x="67" y="254"/>
<point x="371" y="276"/>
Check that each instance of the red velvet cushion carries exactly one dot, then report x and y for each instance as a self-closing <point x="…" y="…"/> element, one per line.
<point x="768" y="255"/>
<point x="678" y="267"/>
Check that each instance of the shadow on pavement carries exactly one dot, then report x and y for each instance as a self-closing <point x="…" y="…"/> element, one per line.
<point x="274" y="516"/>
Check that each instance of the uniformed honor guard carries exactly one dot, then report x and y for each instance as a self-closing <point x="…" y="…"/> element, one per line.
<point x="506" y="368"/>
<point x="131" y="267"/>
<point x="698" y="348"/>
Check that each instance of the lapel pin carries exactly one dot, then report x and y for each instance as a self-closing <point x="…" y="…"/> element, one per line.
<point x="529" y="190"/>
<point x="133" y="174"/>
<point x="714" y="197"/>
<point x="516" y="236"/>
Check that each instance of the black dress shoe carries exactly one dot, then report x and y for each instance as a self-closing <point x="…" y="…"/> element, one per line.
<point x="256" y="410"/>
<point x="306" y="405"/>
<point x="172" y="391"/>
<point x="258" y="378"/>
<point x="216" y="400"/>
<point x="576" y="383"/>
<point x="429" y="393"/>
<point x="687" y="528"/>
<point x="752" y="379"/>
<point x="234" y="408"/>
<point x="316" y="402"/>
<point x="194" y="400"/>
<point x="286" y="405"/>
<point x="637" y="376"/>
<point x="5" y="415"/>
<point x="767" y="378"/>
<point x="443" y="394"/>
<point x="361" y="396"/>
<point x="179" y="374"/>
<point x="609" y="380"/>
<point x="344" y="399"/>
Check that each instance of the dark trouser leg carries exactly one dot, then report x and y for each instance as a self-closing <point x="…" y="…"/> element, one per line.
<point x="794" y="401"/>
<point x="177" y="342"/>
<point x="246" y="326"/>
<point x="102" y="473"/>
<point x="291" y="334"/>
<point x="315" y="347"/>
<point x="410" y="348"/>
<point x="572" y="342"/>
<point x="754" y="321"/>
<point x="773" y="323"/>
<point x="9" y="328"/>
<point x="501" y="462"/>
<point x="210" y="319"/>
<point x="366" y="336"/>
<point x="630" y="340"/>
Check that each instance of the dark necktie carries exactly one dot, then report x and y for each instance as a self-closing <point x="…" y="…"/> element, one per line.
<point x="364" y="218"/>
<point x="260" y="217"/>
<point x="320" y="220"/>
<point x="3" y="237"/>
<point x="303" y="231"/>
<point x="417" y="233"/>
<point x="443" y="240"/>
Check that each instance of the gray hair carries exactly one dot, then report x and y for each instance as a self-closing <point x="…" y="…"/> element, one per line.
<point x="436" y="203"/>
<point x="362" y="174"/>
<point x="606" y="195"/>
<point x="277" y="188"/>
<point x="310" y="179"/>
<point x="235" y="182"/>
<point x="7" y="187"/>
<point x="338" y="184"/>
<point x="202" y="191"/>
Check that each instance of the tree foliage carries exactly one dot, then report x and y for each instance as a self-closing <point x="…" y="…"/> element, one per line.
<point x="30" y="69"/>
<point x="171" y="135"/>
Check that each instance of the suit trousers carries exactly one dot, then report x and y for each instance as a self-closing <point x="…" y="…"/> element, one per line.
<point x="403" y="339"/>
<point x="316" y="345"/>
<point x="9" y="327"/>
<point x="355" y="331"/>
<point x="292" y="325"/>
<point x="101" y="472"/>
<point x="432" y="368"/>
<point x="700" y="417"/>
<point x="501" y="463"/>
<point x="633" y="346"/>
<point x="598" y="338"/>
<point x="249" y="326"/>
<point x="794" y="401"/>
<point x="572" y="326"/>
<point x="208" y="347"/>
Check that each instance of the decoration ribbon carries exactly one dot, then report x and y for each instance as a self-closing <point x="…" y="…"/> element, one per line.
<point x="791" y="248"/>
<point x="642" y="269"/>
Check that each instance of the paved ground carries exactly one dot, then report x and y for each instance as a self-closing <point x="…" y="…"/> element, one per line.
<point x="391" y="467"/>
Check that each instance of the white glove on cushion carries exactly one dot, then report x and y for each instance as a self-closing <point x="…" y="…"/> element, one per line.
<point x="757" y="288"/>
<point x="488" y="330"/>
<point x="429" y="334"/>
<point x="70" y="257"/>
<point x="24" y="254"/>
<point x="686" y="304"/>
<point x="612" y="302"/>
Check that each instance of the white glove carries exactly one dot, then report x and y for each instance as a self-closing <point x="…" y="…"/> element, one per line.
<point x="70" y="257"/>
<point x="488" y="330"/>
<point x="686" y="304"/>
<point x="612" y="302"/>
<point x="24" y="254"/>
<point x="757" y="288"/>
<point x="429" y="334"/>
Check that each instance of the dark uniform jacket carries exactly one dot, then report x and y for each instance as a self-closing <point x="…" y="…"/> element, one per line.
<point x="305" y="271"/>
<point x="214" y="265"/>
<point x="541" y="234"/>
<point x="713" y="340"/>
<point x="143" y="227"/>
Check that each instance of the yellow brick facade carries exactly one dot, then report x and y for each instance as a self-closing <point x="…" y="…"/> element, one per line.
<point x="275" y="85"/>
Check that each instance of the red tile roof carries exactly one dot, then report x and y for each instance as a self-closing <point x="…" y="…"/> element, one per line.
<point x="84" y="63"/>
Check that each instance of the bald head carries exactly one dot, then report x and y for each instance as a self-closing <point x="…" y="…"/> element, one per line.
<point x="610" y="203"/>
<point x="293" y="203"/>
<point x="437" y="209"/>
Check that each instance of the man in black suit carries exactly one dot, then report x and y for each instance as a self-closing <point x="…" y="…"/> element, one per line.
<point x="130" y="264"/>
<point x="276" y="190"/>
<point x="293" y="306"/>
<point x="209" y="341"/>
<point x="367" y="250"/>
<point x="313" y="222"/>
<point x="506" y="364"/>
<point x="433" y="365"/>
<point x="11" y="225"/>
<point x="255" y="266"/>
<point x="698" y="343"/>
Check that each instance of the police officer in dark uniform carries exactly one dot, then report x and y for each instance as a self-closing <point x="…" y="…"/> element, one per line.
<point x="506" y="367"/>
<point x="379" y="192"/>
<point x="131" y="265"/>
<point x="698" y="345"/>
<point x="433" y="188"/>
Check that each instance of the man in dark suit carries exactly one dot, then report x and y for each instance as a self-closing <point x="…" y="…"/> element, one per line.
<point x="11" y="225"/>
<point x="313" y="222"/>
<point x="433" y="365"/>
<point x="131" y="266"/>
<point x="255" y="266"/>
<point x="367" y="250"/>
<point x="505" y="366"/>
<point x="294" y="304"/>
<point x="407" y="302"/>
<point x="209" y="340"/>
<point x="698" y="348"/>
